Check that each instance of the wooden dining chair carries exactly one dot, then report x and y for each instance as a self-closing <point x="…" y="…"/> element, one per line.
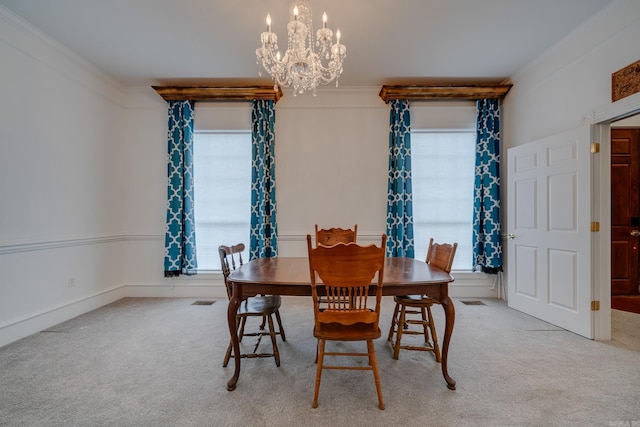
<point x="262" y="306"/>
<point x="331" y="236"/>
<point x="345" y="271"/>
<point x="440" y="256"/>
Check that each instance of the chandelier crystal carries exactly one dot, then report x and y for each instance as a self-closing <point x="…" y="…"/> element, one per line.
<point x="307" y="62"/>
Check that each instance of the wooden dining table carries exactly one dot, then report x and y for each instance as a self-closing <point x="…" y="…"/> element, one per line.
<point x="290" y="276"/>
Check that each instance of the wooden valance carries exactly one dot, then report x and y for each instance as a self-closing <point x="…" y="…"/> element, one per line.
<point x="218" y="93"/>
<point x="431" y="92"/>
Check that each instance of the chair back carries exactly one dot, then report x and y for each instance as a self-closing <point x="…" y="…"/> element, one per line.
<point x="345" y="271"/>
<point x="229" y="256"/>
<point x="331" y="236"/>
<point x="441" y="255"/>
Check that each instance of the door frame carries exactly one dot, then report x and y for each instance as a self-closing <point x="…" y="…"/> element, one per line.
<point x="601" y="118"/>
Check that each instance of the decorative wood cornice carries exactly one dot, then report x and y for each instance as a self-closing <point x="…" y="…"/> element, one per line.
<point x="430" y="92"/>
<point x="218" y="93"/>
<point x="625" y="81"/>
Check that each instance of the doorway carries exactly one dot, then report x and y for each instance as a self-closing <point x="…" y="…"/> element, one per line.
<point x="625" y="218"/>
<point x="602" y="118"/>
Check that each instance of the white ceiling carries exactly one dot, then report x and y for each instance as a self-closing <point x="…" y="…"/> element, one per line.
<point x="147" y="42"/>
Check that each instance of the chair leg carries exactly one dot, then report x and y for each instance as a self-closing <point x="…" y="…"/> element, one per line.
<point x="280" y="328"/>
<point x="320" y="359"/>
<point x="401" y="321"/>
<point x="425" y="325"/>
<point x="227" y="356"/>
<point x="272" y="334"/>
<point x="243" y="321"/>
<point x="240" y="330"/>
<point x="434" y="336"/>
<point x="394" y="322"/>
<point x="264" y="322"/>
<point x="376" y="374"/>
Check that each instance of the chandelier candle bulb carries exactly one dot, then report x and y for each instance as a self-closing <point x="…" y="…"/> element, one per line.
<point x="268" y="23"/>
<point x="324" y="20"/>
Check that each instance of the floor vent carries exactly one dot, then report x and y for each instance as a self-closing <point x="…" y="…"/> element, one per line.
<point x="473" y="303"/>
<point x="203" y="302"/>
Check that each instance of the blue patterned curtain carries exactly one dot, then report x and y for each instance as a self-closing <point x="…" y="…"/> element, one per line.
<point x="264" y="228"/>
<point x="399" y="196"/>
<point x="487" y="245"/>
<point x="180" y="237"/>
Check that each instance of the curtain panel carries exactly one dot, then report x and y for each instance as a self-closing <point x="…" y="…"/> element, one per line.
<point x="264" y="228"/>
<point x="487" y="244"/>
<point x="180" y="236"/>
<point x="399" y="196"/>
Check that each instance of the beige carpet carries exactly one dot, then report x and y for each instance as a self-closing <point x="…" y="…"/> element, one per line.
<point x="158" y="362"/>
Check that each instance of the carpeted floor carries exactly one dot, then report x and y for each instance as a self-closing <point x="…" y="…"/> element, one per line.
<point x="158" y="362"/>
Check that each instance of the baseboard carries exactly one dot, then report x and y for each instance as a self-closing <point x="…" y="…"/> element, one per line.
<point x="32" y="324"/>
<point x="471" y="291"/>
<point x="473" y="285"/>
<point x="182" y="290"/>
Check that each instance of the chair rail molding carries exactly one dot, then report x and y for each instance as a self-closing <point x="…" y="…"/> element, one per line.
<point x="29" y="246"/>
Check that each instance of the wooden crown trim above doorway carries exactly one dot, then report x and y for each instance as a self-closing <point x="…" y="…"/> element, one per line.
<point x="218" y="93"/>
<point x="625" y="81"/>
<point x="431" y="92"/>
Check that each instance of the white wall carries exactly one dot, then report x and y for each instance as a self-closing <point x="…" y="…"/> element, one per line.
<point x="633" y="121"/>
<point x="331" y="163"/>
<point x="61" y="183"/>
<point x="562" y="88"/>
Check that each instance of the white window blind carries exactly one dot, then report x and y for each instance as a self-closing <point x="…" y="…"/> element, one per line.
<point x="222" y="193"/>
<point x="442" y="164"/>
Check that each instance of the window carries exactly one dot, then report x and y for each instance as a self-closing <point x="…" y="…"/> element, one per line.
<point x="222" y="192"/>
<point x="443" y="164"/>
<point x="443" y="168"/>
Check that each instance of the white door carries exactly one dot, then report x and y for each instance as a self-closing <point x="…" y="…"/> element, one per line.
<point x="549" y="230"/>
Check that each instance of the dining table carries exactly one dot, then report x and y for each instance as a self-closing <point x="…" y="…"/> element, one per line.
<point x="289" y="276"/>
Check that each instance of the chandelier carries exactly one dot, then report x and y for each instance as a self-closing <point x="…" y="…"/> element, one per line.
<point x="306" y="63"/>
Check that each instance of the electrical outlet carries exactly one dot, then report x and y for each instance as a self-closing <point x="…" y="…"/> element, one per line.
<point x="71" y="282"/>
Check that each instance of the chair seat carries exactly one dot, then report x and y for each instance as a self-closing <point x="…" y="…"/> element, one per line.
<point x="441" y="256"/>
<point x="415" y="300"/>
<point x="338" y="332"/>
<point x="259" y="305"/>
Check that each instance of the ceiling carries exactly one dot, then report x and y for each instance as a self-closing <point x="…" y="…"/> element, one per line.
<point x="162" y="42"/>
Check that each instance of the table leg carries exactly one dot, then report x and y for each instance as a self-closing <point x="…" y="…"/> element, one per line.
<point x="450" y="315"/>
<point x="232" y="310"/>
